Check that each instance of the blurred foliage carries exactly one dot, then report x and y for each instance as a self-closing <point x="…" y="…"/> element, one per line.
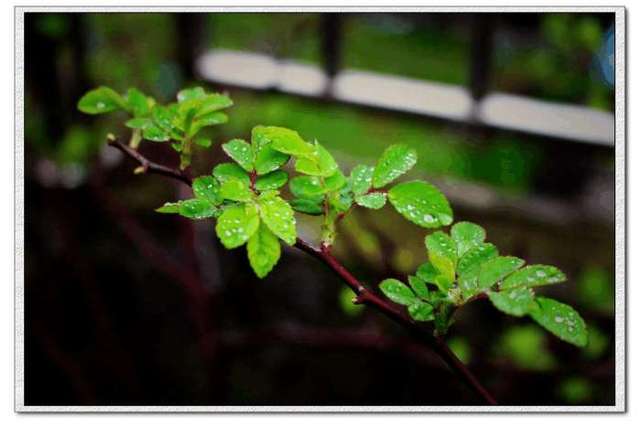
<point x="119" y="57"/>
<point x="504" y="162"/>
<point x="575" y="390"/>
<point x="284" y="35"/>
<point x="525" y="346"/>
<point x="598" y="342"/>
<point x="595" y="290"/>
<point x="558" y="66"/>
<point x="461" y="347"/>
<point x="345" y="300"/>
<point x="391" y="44"/>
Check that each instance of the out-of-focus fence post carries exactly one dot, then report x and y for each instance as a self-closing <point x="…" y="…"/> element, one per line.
<point x="331" y="35"/>
<point x="192" y="39"/>
<point x="482" y="28"/>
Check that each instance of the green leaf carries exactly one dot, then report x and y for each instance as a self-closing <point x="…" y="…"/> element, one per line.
<point x="534" y="275"/>
<point x="213" y="102"/>
<point x="309" y="187"/>
<point x="361" y="179"/>
<point x="241" y="152"/>
<point x="397" y="292"/>
<point x="427" y="272"/>
<point x="421" y="203"/>
<point x="214" y="118"/>
<point x="140" y="123"/>
<point x="163" y="117"/>
<point x="394" y="162"/>
<point x="468" y="285"/>
<point x="197" y="208"/>
<point x="190" y="94"/>
<point x="517" y="302"/>
<point x="169" y="208"/>
<point x="227" y="171"/>
<point x="440" y="243"/>
<point x="341" y="201"/>
<point x="319" y="163"/>
<point x="561" y="320"/>
<point x="443" y="255"/>
<point x="467" y="235"/>
<point x="155" y="134"/>
<point x="419" y="286"/>
<point x="100" y="101"/>
<point x="277" y="214"/>
<point x="266" y="158"/>
<point x="496" y="269"/>
<point x="307" y="206"/>
<point x="137" y="103"/>
<point x="263" y="250"/>
<point x="420" y="311"/>
<point x="272" y="181"/>
<point x="237" y="224"/>
<point x="375" y="200"/>
<point x="203" y="142"/>
<point x="235" y="190"/>
<point x="207" y="187"/>
<point x="284" y="140"/>
<point x="471" y="262"/>
<point x="335" y="182"/>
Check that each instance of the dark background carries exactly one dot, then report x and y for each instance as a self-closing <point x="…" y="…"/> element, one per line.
<point x="124" y="306"/>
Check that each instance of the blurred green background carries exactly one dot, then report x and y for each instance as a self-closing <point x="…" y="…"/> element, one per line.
<point x="108" y="318"/>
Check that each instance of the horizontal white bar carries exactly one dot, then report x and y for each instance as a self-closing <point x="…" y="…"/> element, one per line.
<point x="501" y="110"/>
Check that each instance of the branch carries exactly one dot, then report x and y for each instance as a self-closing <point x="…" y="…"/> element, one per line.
<point x="367" y="297"/>
<point x="145" y="164"/>
<point x="363" y="295"/>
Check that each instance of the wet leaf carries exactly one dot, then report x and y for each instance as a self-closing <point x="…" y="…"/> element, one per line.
<point x="319" y="163"/>
<point x="277" y="214"/>
<point x="241" y="152"/>
<point x="467" y="235"/>
<point x="263" y="250"/>
<point x="420" y="311"/>
<point x="419" y="286"/>
<point x="496" y="269"/>
<point x="374" y="201"/>
<point x="273" y="180"/>
<point x="307" y="206"/>
<point x="267" y="159"/>
<point x="235" y="190"/>
<point x="471" y="262"/>
<point x="137" y="103"/>
<point x="394" y="162"/>
<point x="561" y="320"/>
<point x="534" y="275"/>
<point x="306" y="187"/>
<point x="197" y="208"/>
<point x="284" y="140"/>
<point x="100" y="101"/>
<point x="237" y="224"/>
<point x="207" y="187"/>
<point x="516" y="302"/>
<point x="361" y="179"/>
<point x="421" y="203"/>
<point x="226" y="171"/>
<point x="397" y="292"/>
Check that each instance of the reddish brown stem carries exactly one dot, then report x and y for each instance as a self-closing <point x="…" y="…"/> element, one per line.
<point x="363" y="295"/>
<point x="147" y="165"/>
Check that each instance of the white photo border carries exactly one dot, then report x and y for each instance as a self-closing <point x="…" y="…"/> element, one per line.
<point x="620" y="212"/>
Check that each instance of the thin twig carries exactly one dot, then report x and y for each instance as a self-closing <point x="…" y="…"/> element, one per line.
<point x="146" y="165"/>
<point x="363" y="295"/>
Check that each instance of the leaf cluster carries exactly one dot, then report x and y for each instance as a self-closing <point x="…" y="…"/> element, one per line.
<point x="461" y="266"/>
<point x="247" y="199"/>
